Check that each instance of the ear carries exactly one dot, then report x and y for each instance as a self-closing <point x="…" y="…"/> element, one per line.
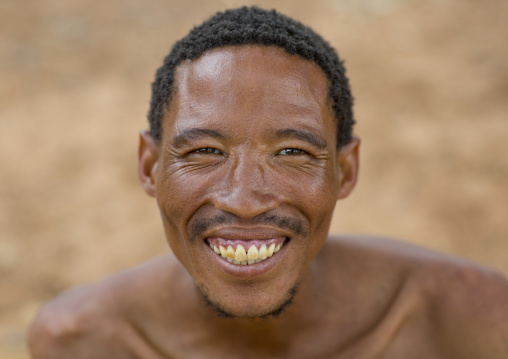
<point x="348" y="165"/>
<point x="148" y="160"/>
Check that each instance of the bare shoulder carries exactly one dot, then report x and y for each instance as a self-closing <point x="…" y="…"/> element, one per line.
<point x="92" y="320"/>
<point x="469" y="304"/>
<point x="462" y="306"/>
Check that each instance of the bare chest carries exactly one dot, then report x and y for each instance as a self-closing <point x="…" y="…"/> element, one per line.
<point x="406" y="340"/>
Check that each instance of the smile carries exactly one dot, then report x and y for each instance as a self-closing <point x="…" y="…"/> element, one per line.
<point x="246" y="252"/>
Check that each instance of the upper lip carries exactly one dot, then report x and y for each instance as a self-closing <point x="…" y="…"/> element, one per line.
<point x="247" y="232"/>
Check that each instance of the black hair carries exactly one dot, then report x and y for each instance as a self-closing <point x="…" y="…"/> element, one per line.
<point x="255" y="26"/>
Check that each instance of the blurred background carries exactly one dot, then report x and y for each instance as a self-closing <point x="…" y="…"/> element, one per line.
<point x="431" y="85"/>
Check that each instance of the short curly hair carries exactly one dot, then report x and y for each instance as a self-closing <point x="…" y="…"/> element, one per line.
<point x="255" y="26"/>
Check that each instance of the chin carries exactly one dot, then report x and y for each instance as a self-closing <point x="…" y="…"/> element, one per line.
<point x="260" y="309"/>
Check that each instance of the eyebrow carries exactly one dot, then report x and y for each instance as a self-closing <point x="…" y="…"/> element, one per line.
<point x="306" y="136"/>
<point x="190" y="134"/>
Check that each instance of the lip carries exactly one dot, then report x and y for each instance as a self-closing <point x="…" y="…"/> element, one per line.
<point x="245" y="234"/>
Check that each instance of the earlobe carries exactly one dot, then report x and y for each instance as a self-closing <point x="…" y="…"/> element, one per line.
<point x="148" y="159"/>
<point x="348" y="165"/>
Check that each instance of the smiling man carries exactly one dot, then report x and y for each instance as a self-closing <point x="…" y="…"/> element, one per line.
<point x="250" y="146"/>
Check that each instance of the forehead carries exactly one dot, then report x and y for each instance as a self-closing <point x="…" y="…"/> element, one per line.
<point x="250" y="80"/>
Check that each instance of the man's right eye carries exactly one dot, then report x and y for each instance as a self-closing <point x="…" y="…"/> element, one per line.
<point x="208" y="150"/>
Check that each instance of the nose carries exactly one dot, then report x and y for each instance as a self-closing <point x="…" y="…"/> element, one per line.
<point x="245" y="191"/>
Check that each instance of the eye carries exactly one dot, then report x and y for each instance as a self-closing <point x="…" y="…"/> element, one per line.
<point x="291" y="152"/>
<point x="208" y="150"/>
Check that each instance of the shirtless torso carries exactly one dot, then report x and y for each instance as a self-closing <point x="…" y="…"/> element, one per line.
<point x="365" y="298"/>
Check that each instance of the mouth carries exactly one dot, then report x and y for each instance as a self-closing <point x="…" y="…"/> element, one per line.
<point x="246" y="252"/>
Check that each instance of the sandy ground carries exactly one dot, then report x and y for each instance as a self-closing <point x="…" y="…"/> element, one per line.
<point x="431" y="85"/>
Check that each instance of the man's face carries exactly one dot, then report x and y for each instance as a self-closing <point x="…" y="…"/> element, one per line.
<point x="248" y="159"/>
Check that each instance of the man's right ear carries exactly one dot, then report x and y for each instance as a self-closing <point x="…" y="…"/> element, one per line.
<point x="148" y="160"/>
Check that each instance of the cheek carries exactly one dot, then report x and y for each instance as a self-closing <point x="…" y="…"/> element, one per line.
<point x="179" y="192"/>
<point x="178" y="196"/>
<point x="315" y="196"/>
<point x="316" y="192"/>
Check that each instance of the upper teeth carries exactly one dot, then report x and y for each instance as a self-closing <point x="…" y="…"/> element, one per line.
<point x="240" y="256"/>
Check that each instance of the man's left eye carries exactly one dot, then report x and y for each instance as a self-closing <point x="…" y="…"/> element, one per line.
<point x="291" y="152"/>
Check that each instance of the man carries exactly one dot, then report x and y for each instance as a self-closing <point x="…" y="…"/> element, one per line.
<point x="250" y="146"/>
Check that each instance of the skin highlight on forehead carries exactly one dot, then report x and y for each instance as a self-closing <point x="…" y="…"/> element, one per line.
<point x="233" y="74"/>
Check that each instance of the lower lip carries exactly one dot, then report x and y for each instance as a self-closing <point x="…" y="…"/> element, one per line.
<point x="251" y="270"/>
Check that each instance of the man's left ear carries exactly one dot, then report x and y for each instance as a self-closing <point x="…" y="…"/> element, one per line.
<point x="348" y="165"/>
<point x="148" y="160"/>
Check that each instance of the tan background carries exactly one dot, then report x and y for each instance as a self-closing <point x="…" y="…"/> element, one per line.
<point x="431" y="85"/>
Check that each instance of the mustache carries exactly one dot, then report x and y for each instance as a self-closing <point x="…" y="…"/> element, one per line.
<point x="201" y="225"/>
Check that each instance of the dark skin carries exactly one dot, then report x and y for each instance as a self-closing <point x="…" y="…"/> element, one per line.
<point x="248" y="153"/>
